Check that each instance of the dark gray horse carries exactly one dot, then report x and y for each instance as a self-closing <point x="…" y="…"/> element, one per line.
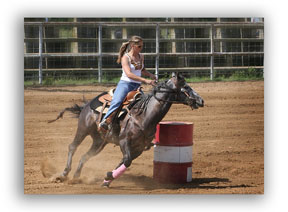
<point x="136" y="129"/>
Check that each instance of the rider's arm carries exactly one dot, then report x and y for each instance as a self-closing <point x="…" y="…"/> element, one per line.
<point x="148" y="74"/>
<point x="145" y="72"/>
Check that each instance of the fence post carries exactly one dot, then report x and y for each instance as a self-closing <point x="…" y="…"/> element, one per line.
<point x="212" y="52"/>
<point x="100" y="53"/>
<point x="40" y="53"/>
<point x="157" y="52"/>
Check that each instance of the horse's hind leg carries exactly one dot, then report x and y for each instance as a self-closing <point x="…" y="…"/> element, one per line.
<point x="96" y="147"/>
<point x="79" y="137"/>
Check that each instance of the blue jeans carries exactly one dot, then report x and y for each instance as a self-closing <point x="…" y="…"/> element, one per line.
<point x="122" y="89"/>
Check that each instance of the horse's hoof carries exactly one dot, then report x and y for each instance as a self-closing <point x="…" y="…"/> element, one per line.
<point x="58" y="179"/>
<point x="106" y="184"/>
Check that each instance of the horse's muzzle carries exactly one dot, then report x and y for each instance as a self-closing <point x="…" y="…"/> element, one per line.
<point x="194" y="104"/>
<point x="201" y="104"/>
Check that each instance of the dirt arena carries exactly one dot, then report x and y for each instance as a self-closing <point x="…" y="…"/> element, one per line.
<point x="228" y="151"/>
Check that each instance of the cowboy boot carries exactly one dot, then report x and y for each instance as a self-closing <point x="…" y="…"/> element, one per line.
<point x="103" y="126"/>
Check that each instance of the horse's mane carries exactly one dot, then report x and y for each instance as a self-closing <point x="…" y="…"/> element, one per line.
<point x="141" y="105"/>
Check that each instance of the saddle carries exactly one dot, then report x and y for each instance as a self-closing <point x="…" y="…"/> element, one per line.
<point x="102" y="102"/>
<point x="131" y="97"/>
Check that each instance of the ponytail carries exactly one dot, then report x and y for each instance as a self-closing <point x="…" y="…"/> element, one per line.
<point x="122" y="50"/>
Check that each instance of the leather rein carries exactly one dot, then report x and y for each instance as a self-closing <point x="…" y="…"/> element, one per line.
<point x="169" y="90"/>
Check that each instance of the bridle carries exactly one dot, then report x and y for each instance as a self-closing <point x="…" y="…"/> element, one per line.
<point x="164" y="88"/>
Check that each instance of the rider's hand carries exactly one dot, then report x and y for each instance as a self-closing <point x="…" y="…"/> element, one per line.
<point x="154" y="83"/>
<point x="153" y="77"/>
<point x="150" y="82"/>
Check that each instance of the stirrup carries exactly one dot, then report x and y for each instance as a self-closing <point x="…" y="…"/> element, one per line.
<point x="103" y="127"/>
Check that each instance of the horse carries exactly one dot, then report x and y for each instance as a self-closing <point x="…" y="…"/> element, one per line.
<point x="135" y="131"/>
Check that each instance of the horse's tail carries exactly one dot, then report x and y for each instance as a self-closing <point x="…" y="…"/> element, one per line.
<point x="76" y="109"/>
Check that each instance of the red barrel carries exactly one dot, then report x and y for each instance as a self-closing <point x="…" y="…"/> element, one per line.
<point x="173" y="152"/>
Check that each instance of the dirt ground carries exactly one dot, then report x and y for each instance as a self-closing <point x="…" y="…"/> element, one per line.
<point x="228" y="150"/>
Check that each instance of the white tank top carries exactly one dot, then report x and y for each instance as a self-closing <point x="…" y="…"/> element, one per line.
<point x="137" y="72"/>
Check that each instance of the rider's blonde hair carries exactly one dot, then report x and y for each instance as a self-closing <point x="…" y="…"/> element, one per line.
<point x="133" y="40"/>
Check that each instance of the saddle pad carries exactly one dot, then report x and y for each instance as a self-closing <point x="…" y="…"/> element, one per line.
<point x="95" y="103"/>
<point x="105" y="97"/>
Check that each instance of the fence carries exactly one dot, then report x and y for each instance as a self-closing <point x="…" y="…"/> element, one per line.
<point x="89" y="49"/>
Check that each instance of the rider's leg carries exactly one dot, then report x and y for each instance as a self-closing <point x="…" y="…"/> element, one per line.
<point x="120" y="93"/>
<point x="122" y="89"/>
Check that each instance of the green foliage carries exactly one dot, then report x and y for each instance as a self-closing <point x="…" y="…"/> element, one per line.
<point x="239" y="75"/>
<point x="65" y="32"/>
<point x="48" y="81"/>
<point x="251" y="74"/>
<point x="198" y="79"/>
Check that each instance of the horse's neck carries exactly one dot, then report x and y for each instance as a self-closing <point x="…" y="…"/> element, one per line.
<point x="155" y="111"/>
<point x="160" y="109"/>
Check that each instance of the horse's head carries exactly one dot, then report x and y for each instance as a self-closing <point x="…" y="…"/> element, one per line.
<point x="185" y="94"/>
<point x="193" y="99"/>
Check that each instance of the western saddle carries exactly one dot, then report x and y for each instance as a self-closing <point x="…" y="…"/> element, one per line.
<point x="131" y="97"/>
<point x="106" y="99"/>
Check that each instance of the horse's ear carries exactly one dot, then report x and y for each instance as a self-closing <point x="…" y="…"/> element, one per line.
<point x="180" y="79"/>
<point x="179" y="75"/>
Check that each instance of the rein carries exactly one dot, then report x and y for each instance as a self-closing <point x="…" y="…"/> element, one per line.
<point x="168" y="90"/>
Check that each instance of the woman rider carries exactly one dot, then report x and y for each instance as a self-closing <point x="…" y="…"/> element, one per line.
<point x="132" y="70"/>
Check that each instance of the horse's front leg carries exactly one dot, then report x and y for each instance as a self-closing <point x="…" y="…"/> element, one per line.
<point x="126" y="161"/>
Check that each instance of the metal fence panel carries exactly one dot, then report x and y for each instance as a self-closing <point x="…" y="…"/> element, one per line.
<point x="85" y="48"/>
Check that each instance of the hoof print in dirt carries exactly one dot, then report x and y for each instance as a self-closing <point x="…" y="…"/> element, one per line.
<point x="75" y="181"/>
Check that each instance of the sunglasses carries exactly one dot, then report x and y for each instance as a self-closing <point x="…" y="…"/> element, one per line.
<point x="138" y="46"/>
